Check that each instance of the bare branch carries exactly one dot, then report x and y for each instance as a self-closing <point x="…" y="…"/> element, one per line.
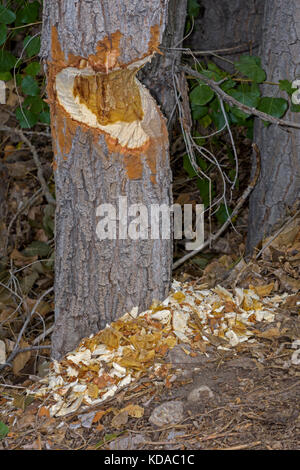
<point x="233" y="102"/>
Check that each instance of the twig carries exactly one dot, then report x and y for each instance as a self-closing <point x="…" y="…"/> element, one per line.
<point x="240" y="203"/>
<point x="16" y="349"/>
<point x="37" y="162"/>
<point x="240" y="447"/>
<point x="43" y="335"/>
<point x="233" y="102"/>
<point x="229" y="50"/>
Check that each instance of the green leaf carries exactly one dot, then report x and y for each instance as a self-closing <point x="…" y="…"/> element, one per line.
<point x="285" y="85"/>
<point x="218" y="119"/>
<point x="193" y="8"/>
<point x="250" y="66"/>
<point x="228" y="85"/>
<point x="30" y="86"/>
<point x="5" y="76"/>
<point x="37" y="248"/>
<point x="188" y="166"/>
<point x="26" y="118"/>
<point x="7" y="61"/>
<point x="198" y="111"/>
<point x="45" y="117"/>
<point x="295" y="108"/>
<point x="32" y="45"/>
<point x="205" y="121"/>
<point x="28" y="14"/>
<point x="247" y="95"/>
<point x="34" y="103"/>
<point x="203" y="185"/>
<point x="274" y="106"/>
<point x="222" y="214"/>
<point x="6" y="16"/>
<point x="214" y="68"/>
<point x="4" y="430"/>
<point x="32" y="69"/>
<point x="212" y="75"/>
<point x="201" y="94"/>
<point x="3" y="33"/>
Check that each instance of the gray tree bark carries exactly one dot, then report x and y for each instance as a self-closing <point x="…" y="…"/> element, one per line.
<point x="226" y="24"/>
<point x="157" y="76"/>
<point x="96" y="281"/>
<point x="278" y="187"/>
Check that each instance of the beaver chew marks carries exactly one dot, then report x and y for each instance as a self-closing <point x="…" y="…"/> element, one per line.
<point x="116" y="103"/>
<point x="113" y="97"/>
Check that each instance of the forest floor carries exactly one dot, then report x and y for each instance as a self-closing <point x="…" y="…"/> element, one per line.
<point x="203" y="396"/>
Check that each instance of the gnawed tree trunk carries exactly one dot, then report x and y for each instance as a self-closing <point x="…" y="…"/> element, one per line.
<point x="110" y="140"/>
<point x="278" y="187"/>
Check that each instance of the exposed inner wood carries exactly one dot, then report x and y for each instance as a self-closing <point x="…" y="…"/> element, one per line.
<point x="111" y="97"/>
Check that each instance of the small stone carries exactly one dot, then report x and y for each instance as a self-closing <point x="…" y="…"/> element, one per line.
<point x="168" y="413"/>
<point x="200" y="394"/>
<point x="127" y="442"/>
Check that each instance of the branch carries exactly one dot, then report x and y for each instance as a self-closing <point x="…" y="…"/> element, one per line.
<point x="233" y="102"/>
<point x="240" y="203"/>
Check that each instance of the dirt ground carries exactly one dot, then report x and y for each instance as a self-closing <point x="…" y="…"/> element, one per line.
<point x="247" y="398"/>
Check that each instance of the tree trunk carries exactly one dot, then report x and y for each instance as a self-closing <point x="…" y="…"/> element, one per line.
<point x="278" y="187"/>
<point x="228" y="24"/>
<point x="158" y="76"/>
<point x="109" y="140"/>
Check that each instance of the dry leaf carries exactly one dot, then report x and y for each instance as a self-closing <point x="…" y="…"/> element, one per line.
<point x="43" y="411"/>
<point x="270" y="333"/>
<point x="120" y="420"/>
<point x="135" y="411"/>
<point x="263" y="291"/>
<point x="99" y="415"/>
<point x="21" y="359"/>
<point x="93" y="391"/>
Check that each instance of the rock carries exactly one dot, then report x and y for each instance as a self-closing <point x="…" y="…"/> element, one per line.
<point x="127" y="443"/>
<point x="168" y="413"/>
<point x="200" y="394"/>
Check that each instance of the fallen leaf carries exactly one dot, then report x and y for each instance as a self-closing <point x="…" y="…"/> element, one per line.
<point x="22" y="358"/>
<point x="263" y="291"/>
<point x="99" y="415"/>
<point x="270" y="333"/>
<point x="44" y="412"/>
<point x="135" y="411"/>
<point x="120" y="420"/>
